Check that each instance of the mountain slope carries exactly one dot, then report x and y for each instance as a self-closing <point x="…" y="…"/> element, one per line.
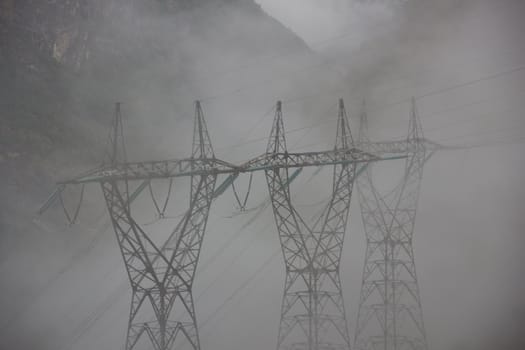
<point x="63" y="65"/>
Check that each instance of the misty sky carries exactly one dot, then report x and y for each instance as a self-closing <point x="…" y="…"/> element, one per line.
<point x="316" y="20"/>
<point x="464" y="61"/>
<point x="469" y="233"/>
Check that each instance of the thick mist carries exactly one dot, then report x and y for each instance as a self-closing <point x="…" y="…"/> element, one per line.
<point x="66" y="288"/>
<point x="463" y="60"/>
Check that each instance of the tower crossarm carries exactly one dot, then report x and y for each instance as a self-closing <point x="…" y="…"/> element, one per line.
<point x="401" y="147"/>
<point x="299" y="160"/>
<point x="155" y="170"/>
<point x="207" y="166"/>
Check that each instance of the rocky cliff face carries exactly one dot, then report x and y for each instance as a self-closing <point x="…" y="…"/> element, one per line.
<point x="75" y="33"/>
<point x="52" y="49"/>
<point x="66" y="61"/>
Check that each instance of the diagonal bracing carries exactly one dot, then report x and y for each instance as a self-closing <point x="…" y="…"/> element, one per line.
<point x="161" y="275"/>
<point x="390" y="314"/>
<point x="312" y="312"/>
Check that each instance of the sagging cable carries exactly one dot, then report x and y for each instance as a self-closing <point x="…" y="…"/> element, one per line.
<point x="242" y="205"/>
<point x="161" y="213"/>
<point x="72" y="219"/>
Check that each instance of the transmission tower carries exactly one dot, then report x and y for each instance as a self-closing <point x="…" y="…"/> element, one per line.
<point x="390" y="315"/>
<point x="161" y="275"/>
<point x="312" y="311"/>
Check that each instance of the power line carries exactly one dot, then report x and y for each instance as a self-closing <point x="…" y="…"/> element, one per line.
<point x="465" y="120"/>
<point x="241" y="287"/>
<point x="271" y="57"/>
<point x="299" y="98"/>
<point x="398" y="102"/>
<point x="472" y="82"/>
<point x="250" y="130"/>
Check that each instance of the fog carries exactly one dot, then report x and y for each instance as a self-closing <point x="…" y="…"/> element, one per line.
<point x="65" y="287"/>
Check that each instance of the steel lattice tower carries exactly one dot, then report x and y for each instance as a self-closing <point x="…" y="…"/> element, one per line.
<point x="161" y="276"/>
<point x="390" y="315"/>
<point x="312" y="311"/>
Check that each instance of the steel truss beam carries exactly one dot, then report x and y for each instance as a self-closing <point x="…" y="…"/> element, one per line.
<point x="390" y="315"/>
<point x="312" y="312"/>
<point x="194" y="166"/>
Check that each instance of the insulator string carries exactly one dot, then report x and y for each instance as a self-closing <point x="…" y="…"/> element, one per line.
<point x="242" y="204"/>
<point x="71" y="218"/>
<point x="161" y="213"/>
